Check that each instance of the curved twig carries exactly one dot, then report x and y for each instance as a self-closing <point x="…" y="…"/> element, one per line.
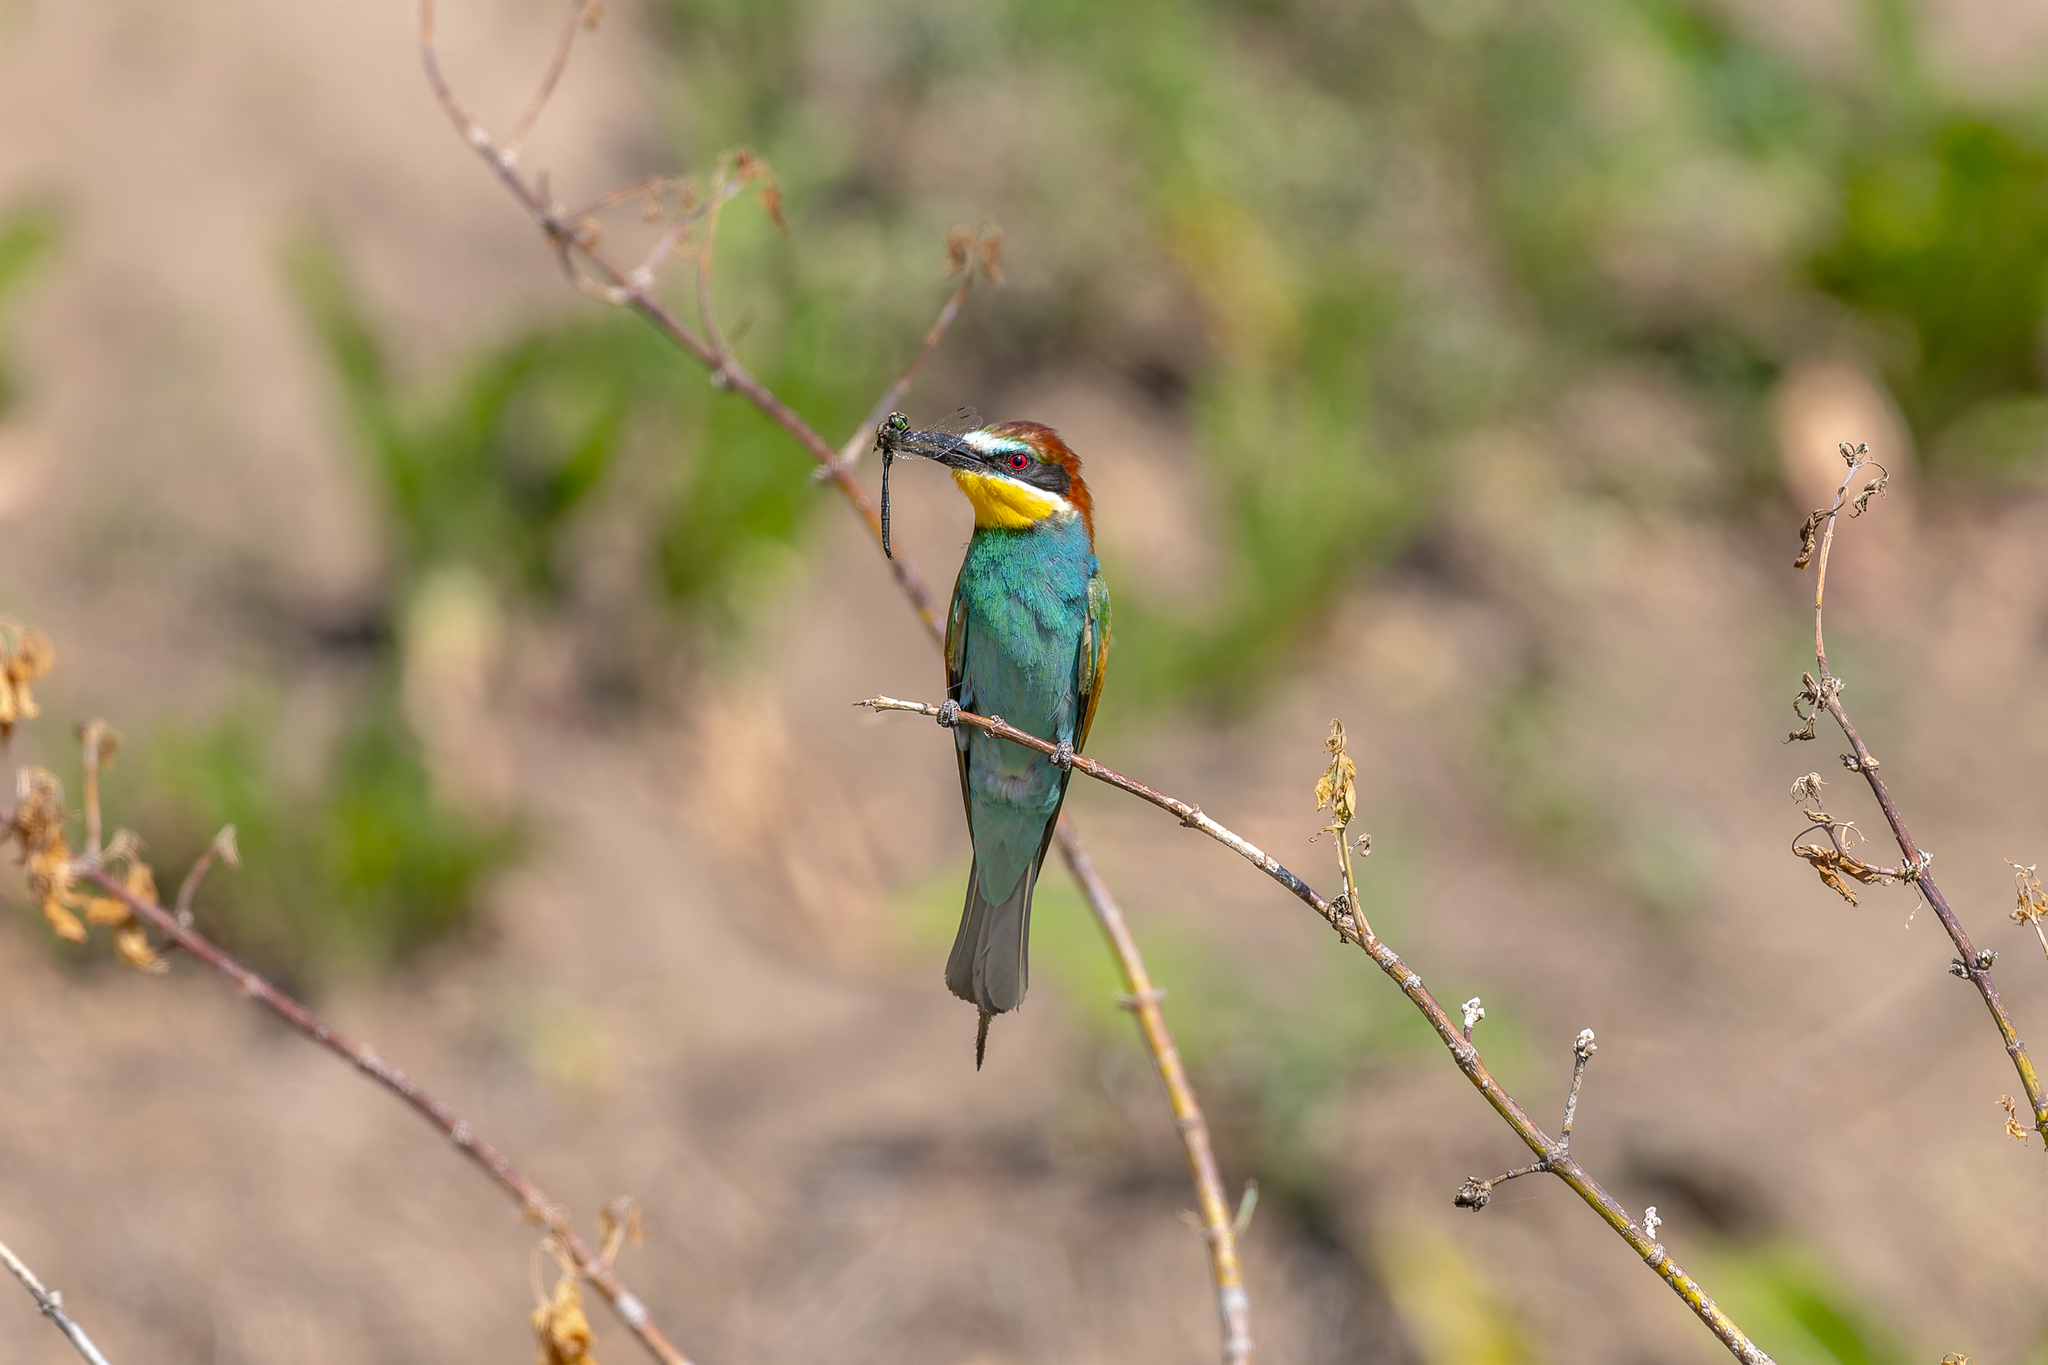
<point x="1555" y="1157"/>
<point x="1971" y="963"/>
<point x="533" y="1202"/>
<point x="51" y="1305"/>
<point x="634" y="289"/>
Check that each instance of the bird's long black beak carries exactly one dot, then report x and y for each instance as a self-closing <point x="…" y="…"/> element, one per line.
<point x="894" y="438"/>
<point x="941" y="446"/>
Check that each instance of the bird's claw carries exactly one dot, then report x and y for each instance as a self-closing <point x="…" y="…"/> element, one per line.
<point x="949" y="713"/>
<point x="1063" y="755"/>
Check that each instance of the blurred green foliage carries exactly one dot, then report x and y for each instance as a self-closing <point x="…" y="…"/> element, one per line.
<point x="28" y="234"/>
<point x="1785" y="1294"/>
<point x="1944" y="248"/>
<point x="350" y="876"/>
<point x="487" y="472"/>
<point x="1395" y="225"/>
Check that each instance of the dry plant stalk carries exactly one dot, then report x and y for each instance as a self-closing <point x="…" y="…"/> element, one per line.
<point x="128" y="901"/>
<point x="577" y="243"/>
<point x="1553" y="1157"/>
<point x="2033" y="903"/>
<point x="1821" y="692"/>
<point x="51" y="1305"/>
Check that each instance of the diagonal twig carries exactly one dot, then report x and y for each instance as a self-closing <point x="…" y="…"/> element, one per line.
<point x="533" y="1202"/>
<point x="51" y="1304"/>
<point x="634" y="289"/>
<point x="1971" y="963"/>
<point x="1554" y="1156"/>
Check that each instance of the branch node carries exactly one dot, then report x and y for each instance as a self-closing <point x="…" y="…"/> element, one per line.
<point x="1651" y="1222"/>
<point x="1473" y="1012"/>
<point x="1245" y="1207"/>
<point x="1475" y="1194"/>
<point x="1136" y="1000"/>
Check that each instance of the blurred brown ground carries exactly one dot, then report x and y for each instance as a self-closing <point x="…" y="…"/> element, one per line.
<point x="693" y="996"/>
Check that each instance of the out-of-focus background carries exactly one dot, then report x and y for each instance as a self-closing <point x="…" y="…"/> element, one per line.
<point x="1461" y="368"/>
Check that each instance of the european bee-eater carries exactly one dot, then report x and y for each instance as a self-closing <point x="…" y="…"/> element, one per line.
<point x="1027" y="638"/>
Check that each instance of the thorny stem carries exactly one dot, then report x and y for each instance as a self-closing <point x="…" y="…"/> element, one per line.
<point x="533" y="1202"/>
<point x="635" y="290"/>
<point x="51" y="1304"/>
<point x="1971" y="964"/>
<point x="1554" y="1156"/>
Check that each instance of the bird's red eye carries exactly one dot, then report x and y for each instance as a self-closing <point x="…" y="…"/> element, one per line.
<point x="1019" y="460"/>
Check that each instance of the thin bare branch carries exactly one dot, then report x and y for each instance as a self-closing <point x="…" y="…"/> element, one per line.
<point x="51" y="1304"/>
<point x="1554" y="1156"/>
<point x="1219" y="1228"/>
<point x="1583" y="1048"/>
<point x="1825" y="694"/>
<point x="892" y="397"/>
<point x="223" y="847"/>
<point x="615" y="285"/>
<point x="582" y="13"/>
<point x="533" y="1202"/>
<point x="97" y="740"/>
<point x="707" y="304"/>
<point x="634" y="289"/>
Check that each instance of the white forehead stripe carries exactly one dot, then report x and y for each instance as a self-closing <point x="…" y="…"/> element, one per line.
<point x="981" y="443"/>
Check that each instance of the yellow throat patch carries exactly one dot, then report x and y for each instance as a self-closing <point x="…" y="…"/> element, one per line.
<point x="1007" y="503"/>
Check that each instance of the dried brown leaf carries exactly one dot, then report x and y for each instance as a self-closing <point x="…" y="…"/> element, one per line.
<point x="106" y="910"/>
<point x="992" y="253"/>
<point x="1833" y="866"/>
<point x="2013" y="1128"/>
<point x="959" y="243"/>
<point x="1808" y="534"/>
<point x="561" y="1331"/>
<point x="132" y="946"/>
<point x="62" y="922"/>
<point x="2033" y="902"/>
<point x="1337" y="789"/>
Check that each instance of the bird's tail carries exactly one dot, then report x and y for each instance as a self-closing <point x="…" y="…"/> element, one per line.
<point x="989" y="966"/>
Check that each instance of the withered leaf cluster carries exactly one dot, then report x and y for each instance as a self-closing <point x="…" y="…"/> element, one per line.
<point x="1337" y="788"/>
<point x="2033" y="903"/>
<point x="2014" y="1129"/>
<point x="965" y="247"/>
<point x="561" y="1330"/>
<point x="36" y="828"/>
<point x="1812" y="700"/>
<point x="1809" y="534"/>
<point x="131" y="944"/>
<point x="25" y="655"/>
<point x="1834" y="866"/>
